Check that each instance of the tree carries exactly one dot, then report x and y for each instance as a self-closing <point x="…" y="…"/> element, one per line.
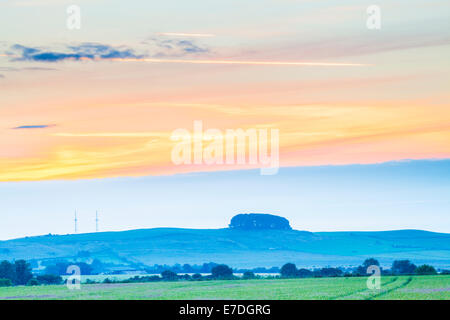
<point x="362" y="269"/>
<point x="329" y="272"/>
<point x="425" y="269"/>
<point x="49" y="279"/>
<point x="207" y="267"/>
<point x="169" y="275"/>
<point x="185" y="277"/>
<point x="107" y="281"/>
<point x="5" y="282"/>
<point x="32" y="282"/>
<point x="187" y="268"/>
<point x="259" y="221"/>
<point x="7" y="271"/>
<point x="23" y="272"/>
<point x="289" y="270"/>
<point x="403" y="267"/>
<point x="304" y="273"/>
<point x="60" y="268"/>
<point x="86" y="269"/>
<point x="222" y="271"/>
<point x="248" y="275"/>
<point x="370" y="262"/>
<point x="197" y="276"/>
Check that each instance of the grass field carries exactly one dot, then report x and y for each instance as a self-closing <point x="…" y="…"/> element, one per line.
<point x="401" y="287"/>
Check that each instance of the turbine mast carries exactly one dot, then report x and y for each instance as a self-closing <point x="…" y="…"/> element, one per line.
<point x="96" y="221"/>
<point x="76" y="222"/>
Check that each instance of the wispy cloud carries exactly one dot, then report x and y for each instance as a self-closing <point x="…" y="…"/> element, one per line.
<point x="97" y="52"/>
<point x="113" y="134"/>
<point x="164" y="51"/>
<point x="173" y="47"/>
<point x="188" y="35"/>
<point x="246" y="62"/>
<point x="349" y="46"/>
<point x="85" y="51"/>
<point x="11" y="69"/>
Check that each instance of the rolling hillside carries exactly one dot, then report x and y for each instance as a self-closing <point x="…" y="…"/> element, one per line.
<point x="238" y="248"/>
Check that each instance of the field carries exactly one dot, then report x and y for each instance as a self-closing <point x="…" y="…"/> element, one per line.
<point x="401" y="287"/>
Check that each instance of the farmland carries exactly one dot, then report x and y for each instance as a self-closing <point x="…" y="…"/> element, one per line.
<point x="135" y="249"/>
<point x="393" y="287"/>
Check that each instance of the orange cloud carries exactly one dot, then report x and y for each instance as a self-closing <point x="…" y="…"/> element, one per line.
<point x="309" y="134"/>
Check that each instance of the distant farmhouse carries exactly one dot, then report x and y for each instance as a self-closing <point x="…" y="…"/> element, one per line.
<point x="259" y="221"/>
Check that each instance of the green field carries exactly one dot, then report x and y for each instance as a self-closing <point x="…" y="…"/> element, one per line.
<point x="401" y="287"/>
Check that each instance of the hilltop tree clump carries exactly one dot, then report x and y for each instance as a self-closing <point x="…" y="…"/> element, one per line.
<point x="259" y="221"/>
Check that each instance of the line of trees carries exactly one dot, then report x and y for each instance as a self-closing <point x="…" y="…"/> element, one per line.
<point x="289" y="270"/>
<point x="185" y="268"/>
<point x="218" y="272"/>
<point x="399" y="267"/>
<point x="97" y="267"/>
<point x="203" y="268"/>
<point x="19" y="273"/>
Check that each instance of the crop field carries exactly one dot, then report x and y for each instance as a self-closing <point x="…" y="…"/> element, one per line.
<point x="393" y="287"/>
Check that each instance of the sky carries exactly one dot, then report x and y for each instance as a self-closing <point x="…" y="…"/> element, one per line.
<point x="388" y="196"/>
<point x="91" y="106"/>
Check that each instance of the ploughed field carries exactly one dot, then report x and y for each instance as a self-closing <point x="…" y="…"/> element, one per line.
<point x="392" y="287"/>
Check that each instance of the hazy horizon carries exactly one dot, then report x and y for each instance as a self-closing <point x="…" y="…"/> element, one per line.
<point x="395" y="195"/>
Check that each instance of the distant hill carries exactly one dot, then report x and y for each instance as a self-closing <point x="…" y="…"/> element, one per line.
<point x="236" y="247"/>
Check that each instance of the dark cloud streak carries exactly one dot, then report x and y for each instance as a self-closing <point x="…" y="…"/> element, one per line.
<point x="90" y="51"/>
<point x="42" y="126"/>
<point x="98" y="52"/>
